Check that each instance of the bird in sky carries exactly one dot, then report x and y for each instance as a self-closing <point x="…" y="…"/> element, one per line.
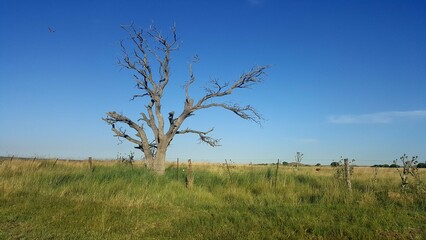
<point x="51" y="30"/>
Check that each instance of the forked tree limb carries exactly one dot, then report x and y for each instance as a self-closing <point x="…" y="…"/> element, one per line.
<point x="203" y="136"/>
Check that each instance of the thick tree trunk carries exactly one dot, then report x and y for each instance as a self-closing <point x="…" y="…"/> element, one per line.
<point x="149" y="163"/>
<point x="156" y="160"/>
<point x="159" y="162"/>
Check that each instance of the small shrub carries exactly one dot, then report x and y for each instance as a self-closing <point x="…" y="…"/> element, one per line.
<point x="408" y="168"/>
<point x="334" y="164"/>
<point x="394" y="165"/>
<point x="268" y="175"/>
<point x="298" y="159"/>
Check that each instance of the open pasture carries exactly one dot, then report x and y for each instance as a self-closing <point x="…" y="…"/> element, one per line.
<point x="48" y="199"/>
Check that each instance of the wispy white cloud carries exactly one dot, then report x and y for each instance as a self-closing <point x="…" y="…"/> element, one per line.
<point x="378" y="118"/>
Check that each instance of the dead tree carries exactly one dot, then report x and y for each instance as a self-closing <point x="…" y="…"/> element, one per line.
<point x="150" y="49"/>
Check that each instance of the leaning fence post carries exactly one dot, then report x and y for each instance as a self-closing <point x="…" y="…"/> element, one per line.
<point x="54" y="163"/>
<point x="189" y="177"/>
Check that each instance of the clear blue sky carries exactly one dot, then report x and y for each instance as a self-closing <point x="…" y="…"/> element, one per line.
<point x="347" y="78"/>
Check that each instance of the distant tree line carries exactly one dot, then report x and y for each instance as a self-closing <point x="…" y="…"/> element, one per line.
<point x="394" y="165"/>
<point x="421" y="165"/>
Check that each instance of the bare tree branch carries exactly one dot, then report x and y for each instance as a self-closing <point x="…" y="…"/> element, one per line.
<point x="120" y="133"/>
<point x="113" y="118"/>
<point x="245" y="81"/>
<point x="245" y="112"/>
<point x="191" y="77"/>
<point x="218" y="90"/>
<point x="216" y="87"/>
<point x="203" y="136"/>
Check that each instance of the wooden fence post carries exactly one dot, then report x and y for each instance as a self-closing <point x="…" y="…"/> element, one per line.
<point x="276" y="173"/>
<point x="347" y="174"/>
<point x="229" y="171"/>
<point x="54" y="163"/>
<point x="177" y="169"/>
<point x="91" y="164"/>
<point x="189" y="177"/>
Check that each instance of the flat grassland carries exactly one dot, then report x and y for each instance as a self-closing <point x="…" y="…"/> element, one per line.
<point x="44" y="199"/>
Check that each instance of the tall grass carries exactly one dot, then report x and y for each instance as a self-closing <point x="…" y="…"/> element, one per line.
<point x="69" y="201"/>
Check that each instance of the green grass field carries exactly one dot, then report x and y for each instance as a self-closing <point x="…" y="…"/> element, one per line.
<point x="40" y="200"/>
